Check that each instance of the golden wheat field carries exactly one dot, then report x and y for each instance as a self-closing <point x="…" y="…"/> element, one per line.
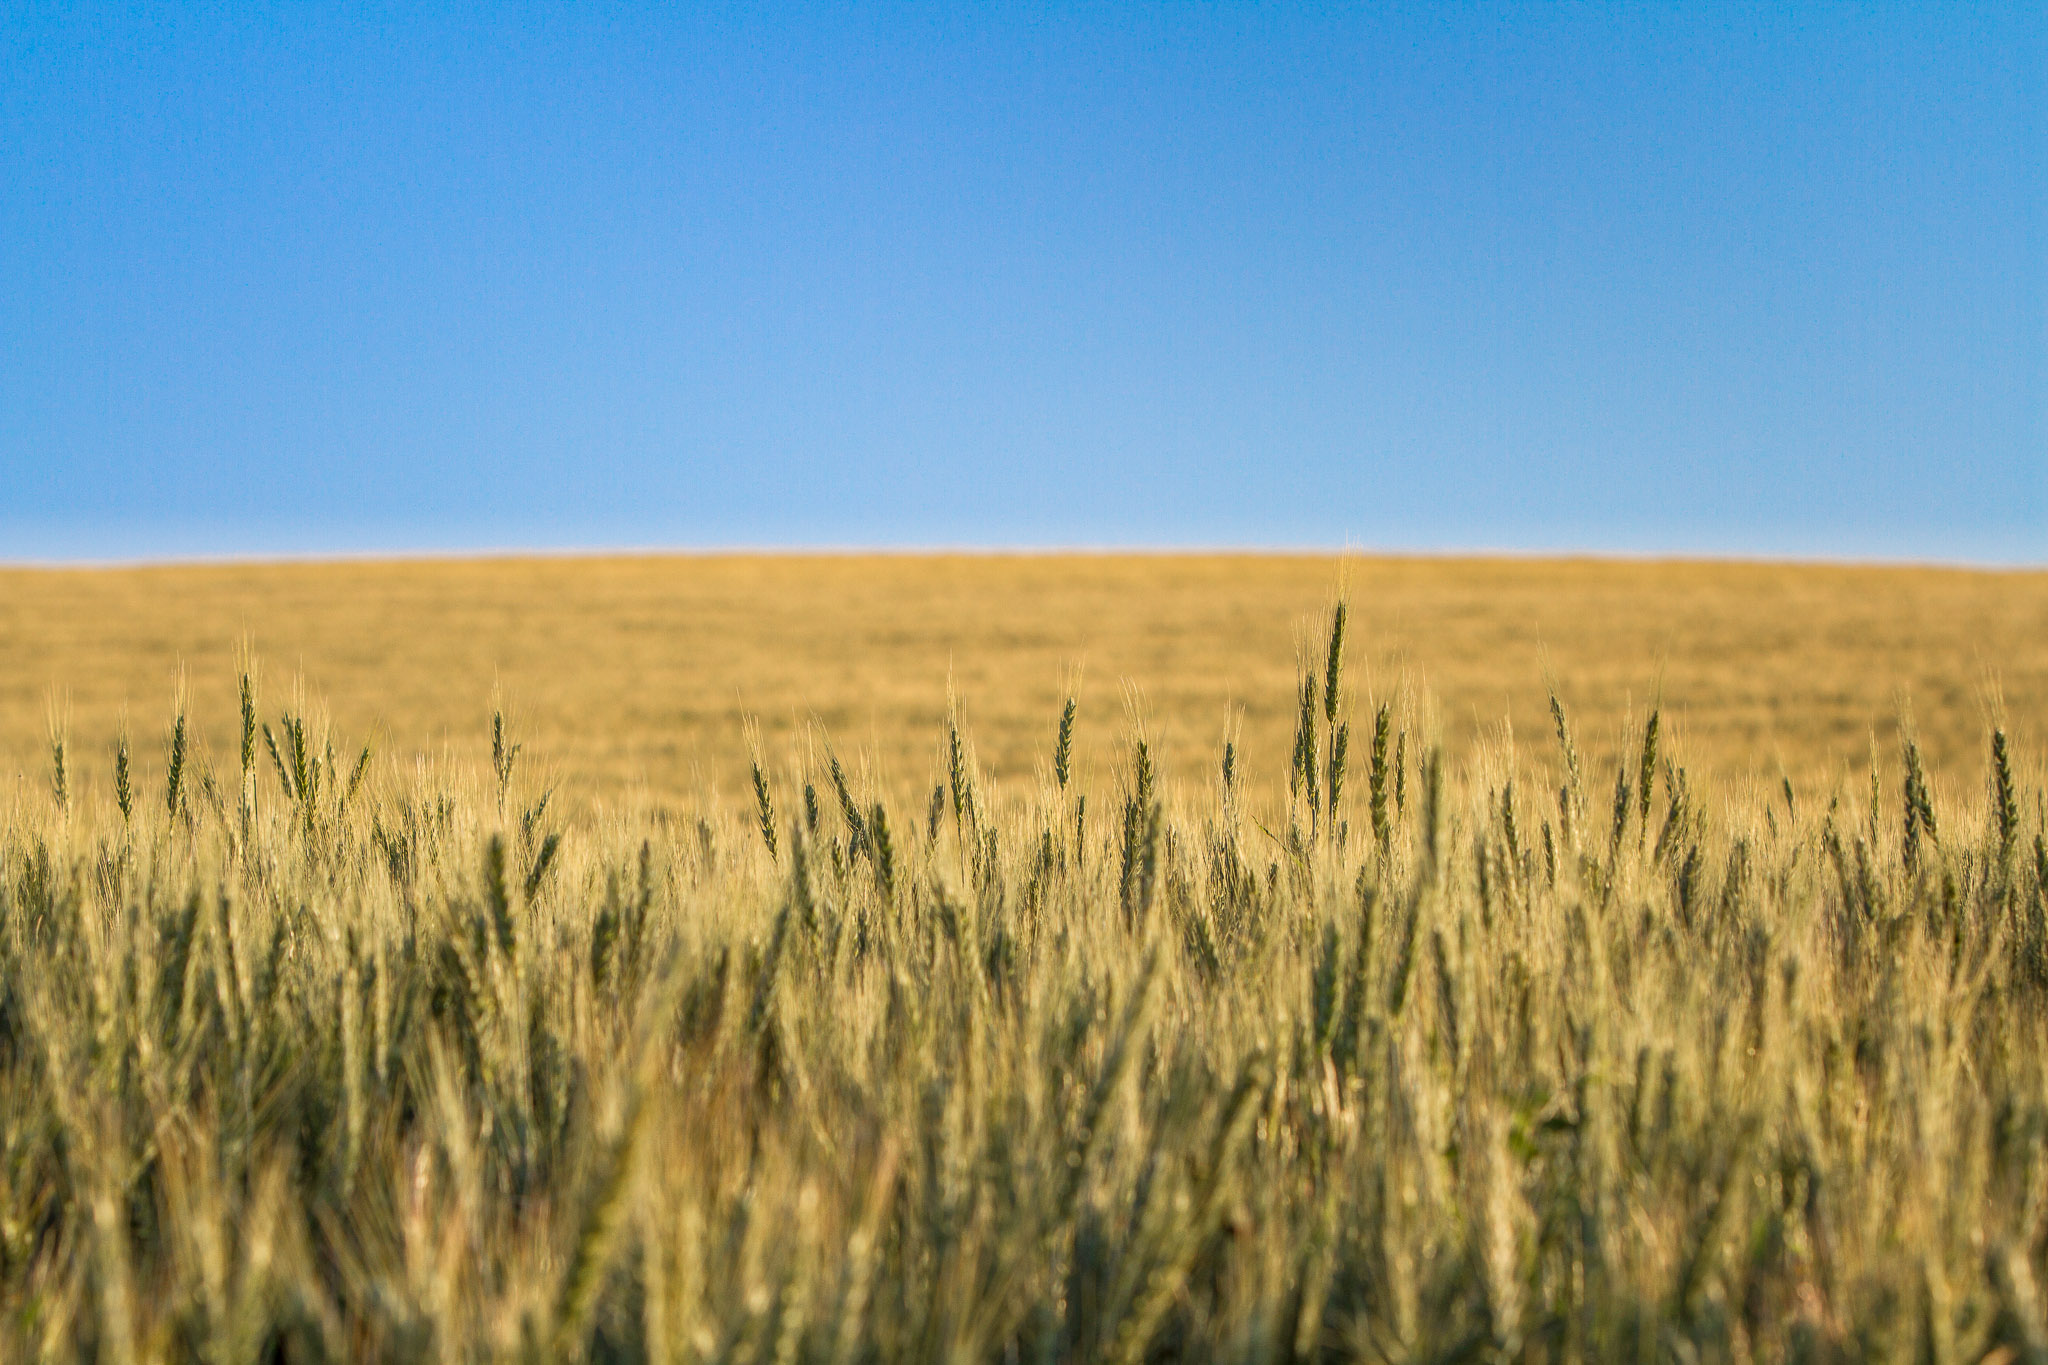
<point x="632" y="676"/>
<point x="1348" y="1042"/>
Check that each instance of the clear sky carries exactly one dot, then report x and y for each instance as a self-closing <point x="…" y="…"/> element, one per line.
<point x="1757" y="279"/>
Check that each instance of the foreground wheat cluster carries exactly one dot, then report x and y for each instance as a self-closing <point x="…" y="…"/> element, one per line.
<point x="302" y="1059"/>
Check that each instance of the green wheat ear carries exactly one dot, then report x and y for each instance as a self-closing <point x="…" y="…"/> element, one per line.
<point x="856" y="828"/>
<point x="174" y="768"/>
<point x="1063" y="750"/>
<point x="1340" y="745"/>
<point x="959" y="775"/>
<point x="1919" y="808"/>
<point x="1333" y="668"/>
<point x="60" y="782"/>
<point x="1377" y="781"/>
<point x="248" y="750"/>
<point x="765" y="809"/>
<point x="1574" y="772"/>
<point x="1303" y="772"/>
<point x="885" y="852"/>
<point x="504" y="755"/>
<point x="124" y="792"/>
<point x="2005" y="807"/>
<point x="1646" y="773"/>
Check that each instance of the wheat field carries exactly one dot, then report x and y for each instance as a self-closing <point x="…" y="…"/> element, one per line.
<point x="632" y="676"/>
<point x="1680" y="1028"/>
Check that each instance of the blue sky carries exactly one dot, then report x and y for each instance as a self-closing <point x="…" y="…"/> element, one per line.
<point x="1724" y="279"/>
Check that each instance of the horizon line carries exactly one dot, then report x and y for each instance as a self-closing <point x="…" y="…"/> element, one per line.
<point x="940" y="550"/>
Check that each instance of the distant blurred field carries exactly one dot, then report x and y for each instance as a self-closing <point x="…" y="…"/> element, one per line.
<point x="629" y="677"/>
